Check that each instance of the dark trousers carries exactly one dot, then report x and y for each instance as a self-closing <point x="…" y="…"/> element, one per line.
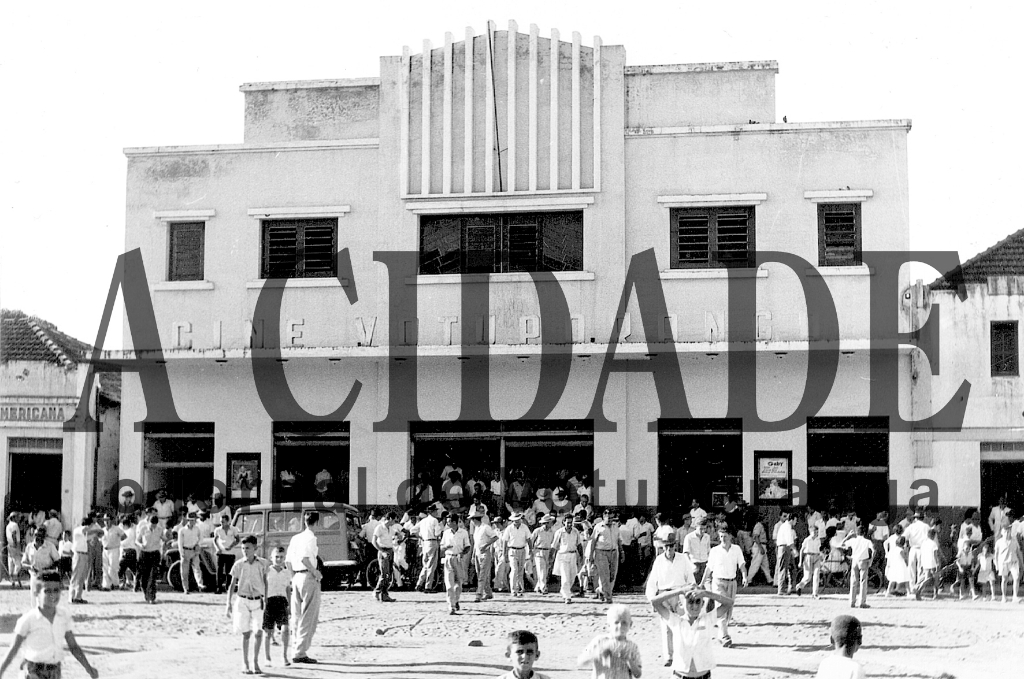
<point x="149" y="564"/>
<point x="129" y="562"/>
<point x="385" y="559"/>
<point x="224" y="564"/>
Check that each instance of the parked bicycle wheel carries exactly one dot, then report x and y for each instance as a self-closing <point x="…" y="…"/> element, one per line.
<point x="372" y="574"/>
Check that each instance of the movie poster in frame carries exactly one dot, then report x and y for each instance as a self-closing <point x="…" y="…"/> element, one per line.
<point x="243" y="476"/>
<point x="774" y="476"/>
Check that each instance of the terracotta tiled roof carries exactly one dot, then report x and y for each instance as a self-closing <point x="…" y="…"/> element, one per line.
<point x="1005" y="258"/>
<point x="27" y="338"/>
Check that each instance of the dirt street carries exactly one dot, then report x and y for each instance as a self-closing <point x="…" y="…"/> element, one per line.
<point x="774" y="637"/>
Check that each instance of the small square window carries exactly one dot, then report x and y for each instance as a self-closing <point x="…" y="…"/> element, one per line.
<point x="186" y="246"/>
<point x="1005" y="355"/>
<point x="839" y="242"/>
<point x="713" y="238"/>
<point x="299" y="248"/>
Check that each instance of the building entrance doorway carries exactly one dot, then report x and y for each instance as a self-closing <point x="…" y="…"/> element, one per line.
<point x="848" y="464"/>
<point x="35" y="467"/>
<point x="698" y="459"/>
<point x="1002" y="473"/>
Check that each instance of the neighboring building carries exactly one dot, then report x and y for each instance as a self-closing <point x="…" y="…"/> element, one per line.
<point x="981" y="343"/>
<point x="517" y="154"/>
<point x="41" y="378"/>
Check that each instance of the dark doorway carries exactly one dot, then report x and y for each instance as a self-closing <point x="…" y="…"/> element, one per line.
<point x="311" y="462"/>
<point x="999" y="479"/>
<point x="848" y="464"/>
<point x="35" y="481"/>
<point x="698" y="459"/>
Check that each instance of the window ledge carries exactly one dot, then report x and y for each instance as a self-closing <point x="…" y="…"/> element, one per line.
<point x="183" y="215"/>
<point x="839" y="196"/>
<point x="302" y="283"/>
<point x="517" y="277"/>
<point x="689" y="274"/>
<point x="164" y="286"/>
<point x="827" y="271"/>
<point x="299" y="212"/>
<point x="713" y="200"/>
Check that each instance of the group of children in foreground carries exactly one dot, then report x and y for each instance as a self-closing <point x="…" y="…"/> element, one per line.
<point x="614" y="656"/>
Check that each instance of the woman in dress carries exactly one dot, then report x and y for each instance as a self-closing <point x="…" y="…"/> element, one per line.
<point x="896" y="572"/>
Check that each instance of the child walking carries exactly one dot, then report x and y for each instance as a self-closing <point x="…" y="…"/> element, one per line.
<point x="40" y="631"/>
<point x="523" y="650"/>
<point x="693" y="631"/>
<point x="612" y="655"/>
<point x="846" y="640"/>
<point x="965" y="564"/>
<point x="896" y="571"/>
<point x="279" y="593"/>
<point x="986" y="571"/>
<point x="249" y="576"/>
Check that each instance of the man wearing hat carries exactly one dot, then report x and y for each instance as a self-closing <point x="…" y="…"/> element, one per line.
<point x="671" y="570"/>
<point x="543" y="536"/>
<point x="164" y="507"/>
<point x="430" y="537"/>
<point x="484" y="538"/>
<point x="188" y="545"/>
<point x="500" y="554"/>
<point x="606" y="554"/>
<point x="517" y="539"/>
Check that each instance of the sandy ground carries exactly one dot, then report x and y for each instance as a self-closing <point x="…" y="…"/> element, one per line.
<point x="774" y="637"/>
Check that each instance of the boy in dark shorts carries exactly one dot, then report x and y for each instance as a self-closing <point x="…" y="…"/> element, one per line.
<point x="279" y="593"/>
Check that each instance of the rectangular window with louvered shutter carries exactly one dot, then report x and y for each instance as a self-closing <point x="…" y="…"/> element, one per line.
<point x="299" y="248"/>
<point x="839" y="234"/>
<point x="1005" y="354"/>
<point x="712" y="238"/>
<point x="501" y="243"/>
<point x="185" y="259"/>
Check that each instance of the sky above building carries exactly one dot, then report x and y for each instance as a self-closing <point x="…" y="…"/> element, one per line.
<point x="84" y="81"/>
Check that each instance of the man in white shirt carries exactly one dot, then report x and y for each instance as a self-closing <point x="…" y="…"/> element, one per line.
<point x="662" y="528"/>
<point x="696" y="512"/>
<point x="725" y="560"/>
<point x="371" y="525"/>
<point x="430" y="535"/>
<point x="111" y="542"/>
<point x="54" y="528"/>
<point x="188" y="547"/>
<point x="79" y="561"/>
<point x="164" y="507"/>
<point x="696" y="547"/>
<point x="454" y="547"/>
<point x="644" y="533"/>
<point x="670" y="571"/>
<point x="785" y="554"/>
<point x="301" y="556"/>
<point x="568" y="547"/>
<point x="226" y="541"/>
<point x="383" y="541"/>
<point x="517" y="539"/>
<point x="484" y="538"/>
<point x="815" y="524"/>
<point x="915" y="533"/>
<point x="996" y="516"/>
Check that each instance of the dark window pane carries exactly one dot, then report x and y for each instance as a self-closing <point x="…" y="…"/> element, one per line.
<point x="524" y="242"/>
<point x="186" y="252"/>
<point x="839" y="234"/>
<point x="732" y="239"/>
<point x="1005" y="357"/>
<point x="712" y="238"/>
<point x="480" y="249"/>
<point x="299" y="248"/>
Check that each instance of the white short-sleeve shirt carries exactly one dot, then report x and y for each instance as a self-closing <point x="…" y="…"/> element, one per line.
<point x="44" y="641"/>
<point x="302" y="545"/>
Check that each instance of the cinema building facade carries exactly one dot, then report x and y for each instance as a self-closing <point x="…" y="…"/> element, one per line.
<point x="492" y="195"/>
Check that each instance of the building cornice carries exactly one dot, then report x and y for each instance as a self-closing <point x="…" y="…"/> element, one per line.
<point x="309" y="84"/>
<point x="771" y="128"/>
<point x="704" y="67"/>
<point x="207" y="149"/>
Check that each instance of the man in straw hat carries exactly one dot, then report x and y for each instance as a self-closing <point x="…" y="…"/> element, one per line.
<point x="430" y="537"/>
<point x="517" y="539"/>
<point x="543" y="537"/>
<point x="671" y="570"/>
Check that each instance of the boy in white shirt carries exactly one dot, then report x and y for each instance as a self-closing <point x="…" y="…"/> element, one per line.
<point x="861" y="553"/>
<point x="692" y="631"/>
<point x="454" y="547"/>
<point x="279" y="593"/>
<point x="929" y="566"/>
<point x="846" y="639"/>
